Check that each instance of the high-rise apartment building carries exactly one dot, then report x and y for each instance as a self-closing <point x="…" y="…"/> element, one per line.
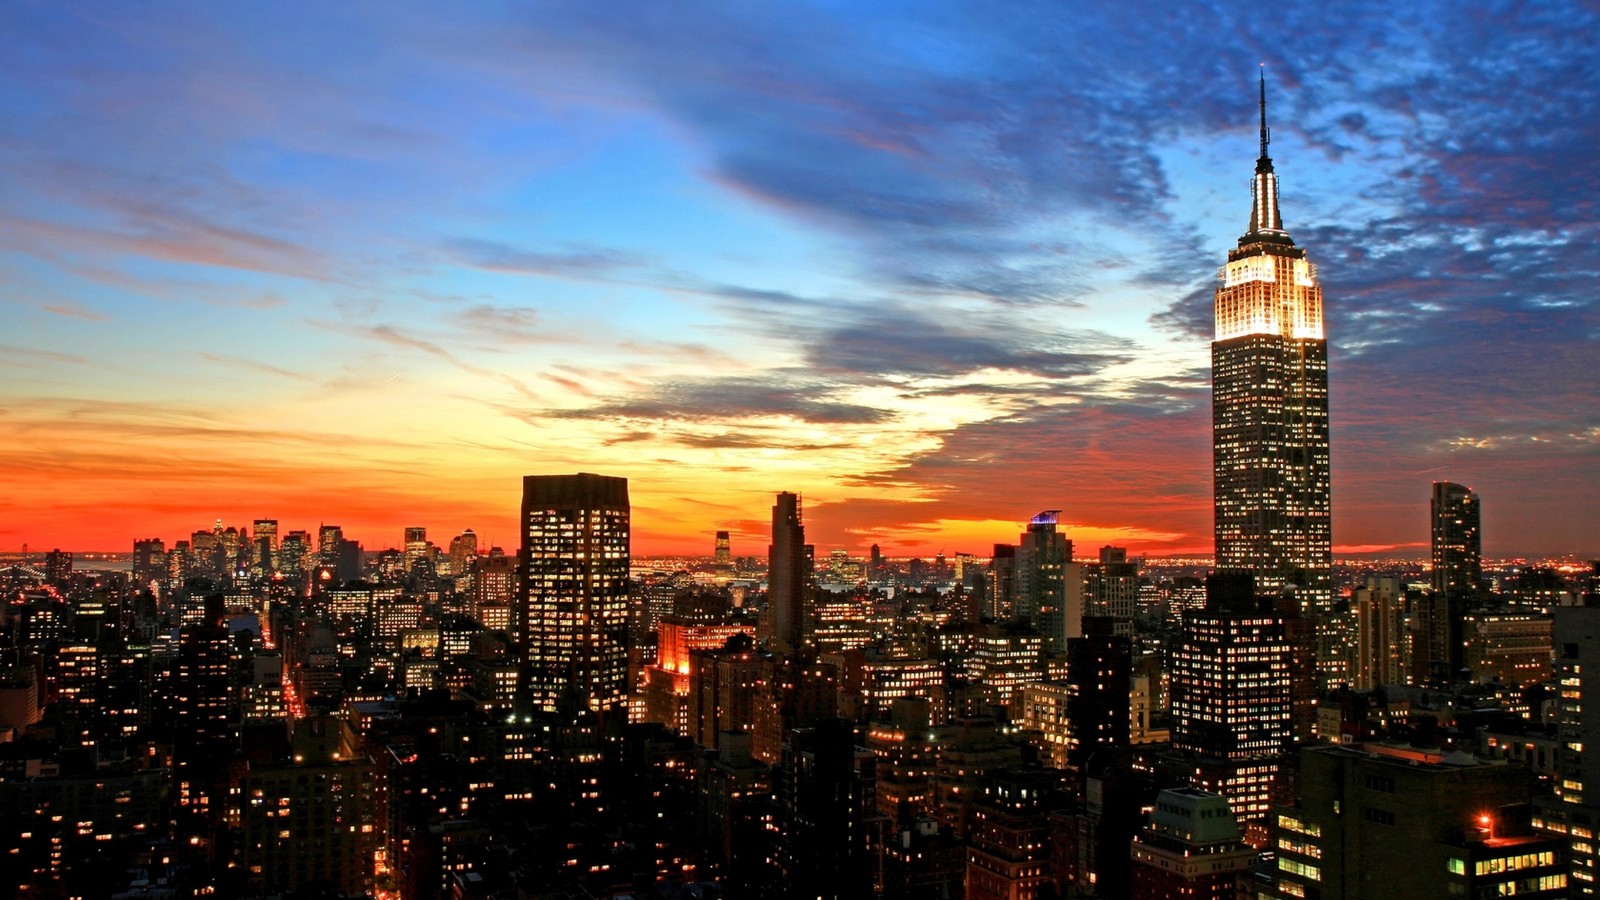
<point x="309" y="818"/>
<point x="1269" y="406"/>
<point x="1382" y="646"/>
<point x="1044" y="596"/>
<point x="1457" y="539"/>
<point x="1099" y="665"/>
<point x="1002" y="593"/>
<point x="572" y="610"/>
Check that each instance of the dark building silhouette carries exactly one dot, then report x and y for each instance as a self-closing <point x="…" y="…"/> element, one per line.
<point x="1438" y="645"/>
<point x="790" y="578"/>
<point x="204" y="731"/>
<point x="828" y="813"/>
<point x="1099" y="665"/>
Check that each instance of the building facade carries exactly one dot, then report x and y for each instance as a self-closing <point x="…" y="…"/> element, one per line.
<point x="1457" y="539"/>
<point x="1379" y="821"/>
<point x="1269" y="376"/>
<point x="1233" y="704"/>
<point x="572" y="610"/>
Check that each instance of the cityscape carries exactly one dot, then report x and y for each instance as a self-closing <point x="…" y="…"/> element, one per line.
<point x="860" y="600"/>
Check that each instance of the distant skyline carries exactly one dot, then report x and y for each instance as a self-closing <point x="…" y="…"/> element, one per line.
<point x="934" y="267"/>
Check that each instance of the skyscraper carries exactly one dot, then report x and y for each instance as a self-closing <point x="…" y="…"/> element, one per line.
<point x="724" y="550"/>
<point x="265" y="546"/>
<point x="416" y="546"/>
<point x="790" y="571"/>
<point x="572" y="614"/>
<point x="1457" y="539"/>
<point x="1439" y="653"/>
<point x="1043" y="594"/>
<point x="1269" y="405"/>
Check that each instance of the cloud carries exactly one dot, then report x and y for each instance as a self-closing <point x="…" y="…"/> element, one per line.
<point x="255" y="366"/>
<point x="877" y="342"/>
<point x="32" y="357"/>
<point x="577" y="262"/>
<point x="777" y="395"/>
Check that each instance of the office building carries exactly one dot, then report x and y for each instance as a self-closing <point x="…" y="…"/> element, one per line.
<point x="1233" y="696"/>
<point x="330" y="539"/>
<point x="463" y="552"/>
<point x="724" y="551"/>
<point x="1269" y="376"/>
<point x="572" y="608"/>
<point x="1378" y="821"/>
<point x="415" y="546"/>
<point x="264" y="546"/>
<point x="149" y="562"/>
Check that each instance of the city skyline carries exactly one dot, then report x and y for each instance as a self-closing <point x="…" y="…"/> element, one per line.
<point x="372" y="269"/>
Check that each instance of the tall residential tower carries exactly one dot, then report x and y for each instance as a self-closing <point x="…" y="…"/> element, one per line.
<point x="1269" y="406"/>
<point x="1457" y="539"/>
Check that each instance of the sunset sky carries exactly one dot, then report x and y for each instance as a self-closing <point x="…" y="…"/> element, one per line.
<point x="935" y="266"/>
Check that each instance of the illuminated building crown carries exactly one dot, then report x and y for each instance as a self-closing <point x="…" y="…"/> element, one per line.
<point x="1268" y="285"/>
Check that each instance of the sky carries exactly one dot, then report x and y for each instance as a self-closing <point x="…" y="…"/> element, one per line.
<point x="935" y="266"/>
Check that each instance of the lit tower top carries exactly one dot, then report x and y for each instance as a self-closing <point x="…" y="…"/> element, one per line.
<point x="1268" y="285"/>
<point x="1264" y="218"/>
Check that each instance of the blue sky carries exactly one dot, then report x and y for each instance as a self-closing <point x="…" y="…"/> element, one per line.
<point x="934" y="265"/>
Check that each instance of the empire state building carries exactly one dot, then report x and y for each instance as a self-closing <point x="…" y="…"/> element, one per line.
<point x="1269" y="406"/>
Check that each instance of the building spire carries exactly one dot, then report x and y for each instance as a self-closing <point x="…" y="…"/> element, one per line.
<point x="1266" y="135"/>
<point x="1264" y="218"/>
